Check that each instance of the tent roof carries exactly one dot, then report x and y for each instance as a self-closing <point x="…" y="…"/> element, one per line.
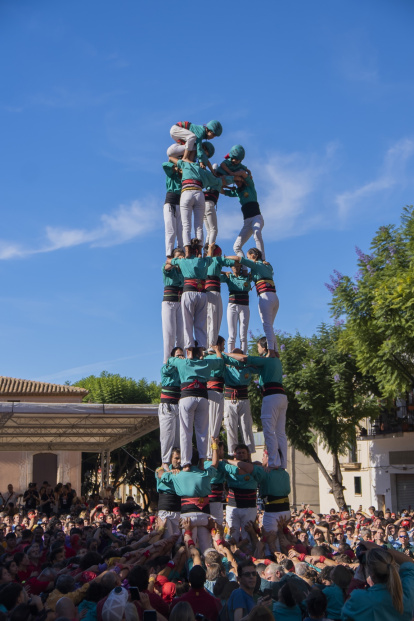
<point x="90" y="427"/>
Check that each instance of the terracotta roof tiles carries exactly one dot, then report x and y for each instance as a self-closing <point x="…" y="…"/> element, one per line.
<point x="14" y="386"/>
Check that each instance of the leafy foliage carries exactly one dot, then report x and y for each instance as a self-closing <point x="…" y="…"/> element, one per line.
<point x="378" y="304"/>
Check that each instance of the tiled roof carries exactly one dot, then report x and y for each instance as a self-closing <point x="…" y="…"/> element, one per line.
<point x="13" y="386"/>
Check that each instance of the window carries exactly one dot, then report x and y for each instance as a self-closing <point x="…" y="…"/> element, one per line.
<point x="357" y="486"/>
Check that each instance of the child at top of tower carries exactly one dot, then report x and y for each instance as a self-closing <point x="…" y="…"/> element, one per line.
<point x="188" y="139"/>
<point x="232" y="162"/>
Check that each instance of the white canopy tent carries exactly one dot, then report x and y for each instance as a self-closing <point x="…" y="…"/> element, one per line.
<point x="89" y="427"/>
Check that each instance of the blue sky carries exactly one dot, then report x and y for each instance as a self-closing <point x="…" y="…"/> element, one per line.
<point x="320" y="94"/>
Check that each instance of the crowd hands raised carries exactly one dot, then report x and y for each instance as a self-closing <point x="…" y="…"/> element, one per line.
<point x="109" y="561"/>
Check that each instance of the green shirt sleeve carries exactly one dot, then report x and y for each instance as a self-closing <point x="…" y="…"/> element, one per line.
<point x="232" y="193"/>
<point x="256" y="361"/>
<point x="169" y="169"/>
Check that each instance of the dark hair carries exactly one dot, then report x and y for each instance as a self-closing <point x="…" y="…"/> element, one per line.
<point x="138" y="577"/>
<point x="241" y="446"/>
<point x="65" y="584"/>
<point x="263" y="342"/>
<point x="9" y="594"/>
<point x="287" y="563"/>
<point x="290" y="594"/>
<point x="18" y="557"/>
<point x="220" y="340"/>
<point x="176" y="449"/>
<point x="197" y="577"/>
<point x="256" y="253"/>
<point x="317" y="603"/>
<point x="174" y="349"/>
<point x="94" y="592"/>
<point x="195" y="247"/>
<point x="243" y="565"/>
<point x="342" y="576"/>
<point x="89" y="559"/>
<point x="177" y="250"/>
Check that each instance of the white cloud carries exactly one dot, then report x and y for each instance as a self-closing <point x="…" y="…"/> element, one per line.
<point x="124" y="224"/>
<point x="285" y="184"/>
<point x="392" y="173"/>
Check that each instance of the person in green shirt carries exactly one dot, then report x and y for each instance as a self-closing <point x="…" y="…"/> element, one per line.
<point x="253" y="222"/>
<point x="171" y="313"/>
<point x="172" y="215"/>
<point x="188" y="139"/>
<point x="237" y="412"/>
<point x="262" y="276"/>
<point x="168" y="409"/>
<point x="232" y="162"/>
<point x="274" y="402"/>
<point x="238" y="311"/>
<point x="390" y="596"/>
<point x="213" y="291"/>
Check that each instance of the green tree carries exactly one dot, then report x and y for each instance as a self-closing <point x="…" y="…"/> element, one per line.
<point x="135" y="463"/>
<point x="328" y="396"/>
<point x="378" y="305"/>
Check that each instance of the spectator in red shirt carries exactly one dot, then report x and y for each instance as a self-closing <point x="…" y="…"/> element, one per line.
<point x="199" y="599"/>
<point x="138" y="577"/>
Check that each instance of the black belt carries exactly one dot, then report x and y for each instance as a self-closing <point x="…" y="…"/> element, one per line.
<point x="236" y="393"/>
<point x="173" y="199"/>
<point x="170" y="394"/>
<point x="242" y="498"/>
<point x="241" y="298"/>
<point x="172" y="293"/>
<point x="213" y="283"/>
<point x="194" y="389"/>
<point x="272" y="388"/>
<point x="169" y="502"/>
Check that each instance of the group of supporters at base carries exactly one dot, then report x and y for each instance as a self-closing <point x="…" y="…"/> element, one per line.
<point x="116" y="562"/>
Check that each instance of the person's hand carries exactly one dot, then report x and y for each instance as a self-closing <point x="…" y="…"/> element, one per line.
<point x="160" y="523"/>
<point x="185" y="523"/>
<point x="264" y="601"/>
<point x="292" y="553"/>
<point x="82" y="614"/>
<point x="249" y="528"/>
<point x="145" y="601"/>
<point x="202" y="165"/>
<point x="36" y="601"/>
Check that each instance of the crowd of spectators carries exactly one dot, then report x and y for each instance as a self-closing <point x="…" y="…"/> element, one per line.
<point x="68" y="557"/>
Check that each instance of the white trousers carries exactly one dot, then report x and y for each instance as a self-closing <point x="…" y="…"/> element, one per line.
<point x="210" y="221"/>
<point x="192" y="201"/>
<point x="214" y="316"/>
<point x="274" y="421"/>
<point x="215" y="416"/>
<point x="237" y="313"/>
<point x="268" y="307"/>
<point x="193" y="413"/>
<point x="237" y="519"/>
<point x="169" y="418"/>
<point x="270" y="523"/>
<point x="238" y="414"/>
<point x="216" y="512"/>
<point x="251" y="226"/>
<point x="172" y="327"/>
<point x="179" y="133"/>
<point x="173" y="228"/>
<point x="194" y="313"/>
<point x="200" y="533"/>
<point x="172" y="526"/>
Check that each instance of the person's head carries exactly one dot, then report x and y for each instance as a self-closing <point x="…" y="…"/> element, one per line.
<point x="317" y="604"/>
<point x="182" y="612"/>
<point x="57" y="555"/>
<point x="11" y="541"/>
<point x="274" y="572"/>
<point x="213" y="129"/>
<point x="254" y="255"/>
<point x="178" y="253"/>
<point x="11" y="566"/>
<point x="214" y="570"/>
<point x="260" y="613"/>
<point x="65" y="608"/>
<point x="237" y="154"/>
<point x="303" y="537"/>
<point x="5" y="576"/>
<point x="381" y="569"/>
<point x="403" y="538"/>
<point x="212" y="556"/>
<point x="10" y="488"/>
<point x="325" y="576"/>
<point x="195" y="247"/>
<point x="197" y="577"/>
<point x="242" y="452"/>
<point x="379" y="536"/>
<point x="139" y="577"/>
<point x="342" y="576"/>
<point x="109" y="581"/>
<point x="221" y="451"/>
<point x="195" y="458"/>
<point x="13" y="594"/>
<point x="176" y="457"/>
<point x="33" y="552"/>
<point x="290" y="594"/>
<point x="262" y="346"/>
<point x="371" y="510"/>
<point x="221" y="343"/>
<point x="177" y="352"/>
<point x="65" y="584"/>
<point x="366" y="534"/>
<point x="236" y="268"/>
<point x="288" y="565"/>
<point x="208" y="149"/>
<point x="247" y="575"/>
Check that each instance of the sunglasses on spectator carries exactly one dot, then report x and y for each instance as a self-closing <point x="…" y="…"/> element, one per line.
<point x="403" y="536"/>
<point x="249" y="574"/>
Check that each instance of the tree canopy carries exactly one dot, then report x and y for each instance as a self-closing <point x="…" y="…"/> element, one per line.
<point x="378" y="307"/>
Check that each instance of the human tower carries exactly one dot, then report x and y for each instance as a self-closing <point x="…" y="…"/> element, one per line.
<point x="200" y="384"/>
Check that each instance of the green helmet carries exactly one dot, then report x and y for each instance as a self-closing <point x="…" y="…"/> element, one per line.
<point x="237" y="152"/>
<point x="209" y="148"/>
<point x="215" y="127"/>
